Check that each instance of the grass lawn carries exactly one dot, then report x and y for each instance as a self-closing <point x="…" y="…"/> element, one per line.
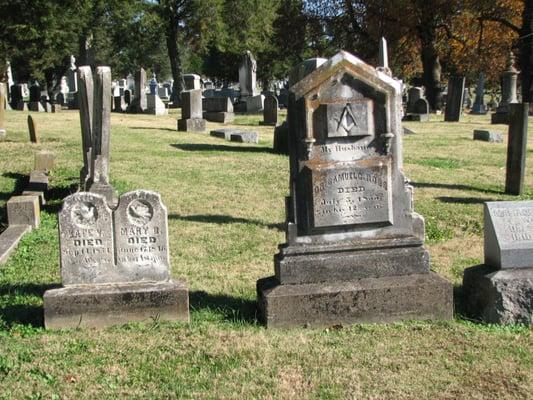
<point x="226" y="214"/>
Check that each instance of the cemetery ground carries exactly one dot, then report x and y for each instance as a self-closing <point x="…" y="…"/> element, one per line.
<point x="226" y="211"/>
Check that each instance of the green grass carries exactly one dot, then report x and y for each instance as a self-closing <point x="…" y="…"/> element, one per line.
<point x="226" y="209"/>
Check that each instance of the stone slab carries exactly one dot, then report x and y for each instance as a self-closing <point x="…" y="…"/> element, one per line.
<point x="44" y="161"/>
<point x="499" y="296"/>
<point x="499" y="118"/>
<point x="488" y="136"/>
<point x="350" y="265"/>
<point x="222" y="117"/>
<point x="508" y="234"/>
<point x="99" y="306"/>
<point x="38" y="181"/>
<point x="24" y="210"/>
<point x="191" y="125"/>
<point x="245" y="137"/>
<point x="387" y="299"/>
<point x="9" y="240"/>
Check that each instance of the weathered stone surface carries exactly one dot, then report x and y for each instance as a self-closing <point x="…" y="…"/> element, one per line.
<point x="155" y="106"/>
<point x="281" y="138"/>
<point x="87" y="248"/>
<point x="191" y="112"/>
<point x="44" y="160"/>
<point x="141" y="237"/>
<point x="236" y="135"/>
<point x="516" y="148"/>
<point x="86" y="105"/>
<point x="413" y="95"/>
<point x="255" y="103"/>
<point x="9" y="240"/>
<point x="38" y="182"/>
<point x="488" y="136"/>
<point x="34" y="132"/>
<point x="24" y="210"/>
<point x="191" y="82"/>
<point x="305" y="68"/>
<point x="407" y="131"/>
<point x="99" y="306"/>
<point x="509" y="234"/>
<point x="270" y="111"/>
<point x="499" y="296"/>
<point x="508" y="81"/>
<point x="386" y="299"/>
<point x="421" y="106"/>
<point x="247" y="75"/>
<point x="217" y="104"/>
<point x="354" y="250"/>
<point x="191" y="125"/>
<point x="454" y="100"/>
<point x="222" y="117"/>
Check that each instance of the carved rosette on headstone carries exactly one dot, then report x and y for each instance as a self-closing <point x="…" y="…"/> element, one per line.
<point x="114" y="264"/>
<point x="500" y="290"/>
<point x="354" y="250"/>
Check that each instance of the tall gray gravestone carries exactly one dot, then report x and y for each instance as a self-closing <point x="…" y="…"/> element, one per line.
<point x="247" y="75"/>
<point x="501" y="289"/>
<point x="2" y="110"/>
<point x="354" y="246"/>
<point x="454" y="99"/>
<point x="139" y="103"/>
<point x="17" y="98"/>
<point x="516" y="148"/>
<point x="114" y="264"/>
<point x="479" y="107"/>
<point x="86" y="104"/>
<point x="508" y="91"/>
<point x="270" y="111"/>
<point x="191" y="112"/>
<point x="101" y="131"/>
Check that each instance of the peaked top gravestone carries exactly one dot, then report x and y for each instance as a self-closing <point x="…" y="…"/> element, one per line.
<point x="247" y="75"/>
<point x="351" y="232"/>
<point x="270" y="110"/>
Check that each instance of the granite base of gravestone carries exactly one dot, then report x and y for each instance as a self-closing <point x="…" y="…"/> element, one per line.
<point x="114" y="264"/>
<point x="500" y="290"/>
<point x="354" y="249"/>
<point x="488" y="136"/>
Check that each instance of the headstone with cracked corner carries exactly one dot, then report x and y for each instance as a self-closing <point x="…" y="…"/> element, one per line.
<point x="114" y="264"/>
<point x="101" y="132"/>
<point x="500" y="290"/>
<point x="24" y="210"/>
<point x="34" y="132"/>
<point x="191" y="112"/>
<point x="354" y="248"/>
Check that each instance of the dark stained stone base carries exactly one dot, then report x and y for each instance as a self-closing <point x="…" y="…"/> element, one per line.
<point x="416" y="117"/>
<point x="222" y="117"/>
<point x="104" y="305"/>
<point x="388" y="299"/>
<point x="342" y="266"/>
<point x="191" y="125"/>
<point x="499" y="118"/>
<point x="499" y="296"/>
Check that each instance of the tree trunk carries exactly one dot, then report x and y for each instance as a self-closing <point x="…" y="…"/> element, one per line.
<point x="431" y="65"/>
<point x="526" y="51"/>
<point x="175" y="63"/>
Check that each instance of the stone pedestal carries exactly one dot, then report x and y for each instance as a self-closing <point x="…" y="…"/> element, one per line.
<point x="99" y="306"/>
<point x="191" y="125"/>
<point x="222" y="117"/>
<point x="499" y="296"/>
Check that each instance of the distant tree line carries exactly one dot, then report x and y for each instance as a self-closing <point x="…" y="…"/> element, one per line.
<point x="428" y="39"/>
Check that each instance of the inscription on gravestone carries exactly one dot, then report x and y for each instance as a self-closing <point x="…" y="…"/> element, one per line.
<point x="86" y="240"/>
<point x="141" y="236"/>
<point x="509" y="234"/>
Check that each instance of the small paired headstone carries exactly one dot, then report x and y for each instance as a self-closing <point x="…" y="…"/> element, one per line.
<point x="24" y="210"/>
<point x="499" y="291"/>
<point x="115" y="266"/>
<point x="32" y="128"/>
<point x="454" y="99"/>
<point x="191" y="112"/>
<point x="488" y="136"/>
<point x="270" y="111"/>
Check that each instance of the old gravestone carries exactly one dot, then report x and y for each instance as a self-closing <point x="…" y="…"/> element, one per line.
<point x="139" y="102"/>
<point x="191" y="82"/>
<point x="86" y="105"/>
<point x="516" y="148"/>
<point x="454" y="100"/>
<point x="17" y="98"/>
<point x="2" y="111"/>
<point x="34" y="132"/>
<point x="35" y="98"/>
<point x="98" y="180"/>
<point x="114" y="265"/>
<point x="218" y="109"/>
<point x="500" y="290"/>
<point x="354" y="250"/>
<point x="191" y="112"/>
<point x="247" y="75"/>
<point x="270" y="111"/>
<point x="508" y="90"/>
<point x="479" y="107"/>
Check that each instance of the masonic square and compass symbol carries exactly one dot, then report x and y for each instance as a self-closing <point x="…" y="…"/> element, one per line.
<point x="346" y="122"/>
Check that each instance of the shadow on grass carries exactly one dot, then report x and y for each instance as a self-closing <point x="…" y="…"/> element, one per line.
<point x="222" y="147"/>
<point x="26" y="314"/>
<point x="453" y="187"/>
<point x="55" y="195"/>
<point x="152" y="128"/>
<point x="231" y="309"/>
<point x="225" y="219"/>
<point x="463" y="200"/>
